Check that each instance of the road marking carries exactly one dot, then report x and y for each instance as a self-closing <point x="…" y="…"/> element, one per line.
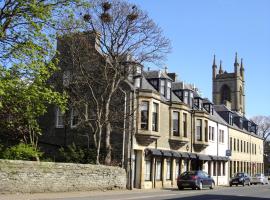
<point x="149" y="196"/>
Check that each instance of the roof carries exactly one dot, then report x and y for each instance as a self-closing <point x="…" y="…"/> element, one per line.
<point x="221" y="108"/>
<point x="156" y="74"/>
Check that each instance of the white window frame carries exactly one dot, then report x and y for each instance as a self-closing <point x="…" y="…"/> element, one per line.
<point x="59" y="114"/>
<point x="72" y="117"/>
<point x="158" y="170"/>
<point x="148" y="166"/>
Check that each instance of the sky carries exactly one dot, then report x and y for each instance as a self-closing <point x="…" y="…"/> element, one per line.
<point x="198" y="29"/>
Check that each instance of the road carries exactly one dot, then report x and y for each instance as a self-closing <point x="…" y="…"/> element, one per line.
<point x="257" y="192"/>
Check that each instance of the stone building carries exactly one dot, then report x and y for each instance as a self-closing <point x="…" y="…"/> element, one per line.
<point x="170" y="127"/>
<point x="229" y="98"/>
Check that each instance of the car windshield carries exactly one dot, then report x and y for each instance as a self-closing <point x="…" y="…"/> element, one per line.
<point x="239" y="175"/>
<point x="258" y="175"/>
<point x="186" y="174"/>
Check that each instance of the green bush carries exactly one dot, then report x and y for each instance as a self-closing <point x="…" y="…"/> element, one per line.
<point x="21" y="151"/>
<point x="75" y="154"/>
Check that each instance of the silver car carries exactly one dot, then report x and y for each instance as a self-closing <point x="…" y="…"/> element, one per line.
<point x="259" y="179"/>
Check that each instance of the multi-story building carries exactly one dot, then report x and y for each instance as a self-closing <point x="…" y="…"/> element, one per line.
<point x="229" y="99"/>
<point x="170" y="127"/>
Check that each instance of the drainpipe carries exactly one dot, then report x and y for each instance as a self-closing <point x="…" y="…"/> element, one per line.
<point x="124" y="127"/>
<point x="217" y="151"/>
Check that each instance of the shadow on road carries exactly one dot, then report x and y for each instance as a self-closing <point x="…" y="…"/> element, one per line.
<point x="217" y="197"/>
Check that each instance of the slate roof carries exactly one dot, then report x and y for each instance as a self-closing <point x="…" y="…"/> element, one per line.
<point x="156" y="74"/>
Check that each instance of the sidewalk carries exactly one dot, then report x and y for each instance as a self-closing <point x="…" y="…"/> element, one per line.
<point x="60" y="195"/>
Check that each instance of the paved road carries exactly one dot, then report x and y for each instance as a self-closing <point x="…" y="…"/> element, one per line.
<point x="257" y="192"/>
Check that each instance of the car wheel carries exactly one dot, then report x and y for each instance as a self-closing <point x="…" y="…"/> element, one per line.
<point x="180" y="188"/>
<point x="212" y="186"/>
<point x="230" y="185"/>
<point x="249" y="184"/>
<point x="200" y="186"/>
<point x="243" y="183"/>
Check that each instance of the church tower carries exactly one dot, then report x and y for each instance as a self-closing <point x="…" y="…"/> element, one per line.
<point x="229" y="88"/>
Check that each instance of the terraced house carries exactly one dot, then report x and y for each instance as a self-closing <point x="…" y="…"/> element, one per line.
<point x="170" y="127"/>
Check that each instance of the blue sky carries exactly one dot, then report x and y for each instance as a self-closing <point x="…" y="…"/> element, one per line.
<point x="200" y="28"/>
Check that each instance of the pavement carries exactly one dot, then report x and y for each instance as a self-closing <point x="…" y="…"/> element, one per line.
<point x="255" y="192"/>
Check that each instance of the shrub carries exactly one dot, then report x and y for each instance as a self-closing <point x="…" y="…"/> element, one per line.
<point x="76" y="154"/>
<point x="21" y="151"/>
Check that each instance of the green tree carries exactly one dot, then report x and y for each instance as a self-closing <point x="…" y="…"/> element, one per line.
<point x="28" y="29"/>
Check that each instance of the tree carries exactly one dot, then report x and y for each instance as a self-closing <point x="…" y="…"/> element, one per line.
<point x="125" y="38"/>
<point x="27" y="30"/>
<point x="263" y="123"/>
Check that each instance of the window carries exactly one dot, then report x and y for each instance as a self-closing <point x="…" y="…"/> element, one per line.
<point x="158" y="170"/>
<point x="230" y="143"/>
<point x="225" y="94"/>
<point x="255" y="148"/>
<point x="168" y="174"/>
<point x="154" y="83"/>
<point x="186" y="97"/>
<point x="206" y="130"/>
<point x="234" y="144"/>
<point x="219" y="168"/>
<point x="210" y="133"/>
<point x="241" y="146"/>
<point x="247" y="147"/>
<point x="237" y="144"/>
<point x="244" y="146"/>
<point x="59" y="119"/>
<point x="185" y="124"/>
<point x="223" y="169"/>
<point x="137" y="82"/>
<point x="190" y="99"/>
<point x="199" y="129"/>
<point x="177" y="168"/>
<point x="213" y="133"/>
<point x="144" y="115"/>
<point x="162" y="87"/>
<point x="169" y="88"/>
<point x="175" y="123"/>
<point x="209" y="168"/>
<point x="74" y="117"/>
<point x="214" y="168"/>
<point x="147" y="174"/>
<point x="66" y="78"/>
<point x="221" y="136"/>
<point x="155" y="117"/>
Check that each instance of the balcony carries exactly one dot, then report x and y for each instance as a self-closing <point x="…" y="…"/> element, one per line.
<point x="178" y="141"/>
<point x="200" y="145"/>
<point x="146" y="137"/>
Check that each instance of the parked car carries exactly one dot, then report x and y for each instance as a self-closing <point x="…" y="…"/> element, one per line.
<point x="259" y="179"/>
<point x="240" y="178"/>
<point x="195" y="180"/>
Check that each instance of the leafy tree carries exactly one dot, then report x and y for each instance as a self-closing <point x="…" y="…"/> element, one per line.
<point x="27" y="33"/>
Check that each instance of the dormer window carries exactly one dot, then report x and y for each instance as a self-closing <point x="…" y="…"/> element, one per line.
<point x="185" y="97"/>
<point x="137" y="82"/>
<point x="138" y="70"/>
<point x="162" y="87"/>
<point x="230" y="119"/>
<point x="154" y="83"/>
<point x="190" y="98"/>
<point x="169" y="89"/>
<point x="240" y="123"/>
<point x="198" y="103"/>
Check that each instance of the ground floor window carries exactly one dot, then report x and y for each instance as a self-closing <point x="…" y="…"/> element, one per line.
<point x="223" y="168"/>
<point x="209" y="168"/>
<point x="219" y="168"/>
<point x="148" y="167"/>
<point x="177" y="168"/>
<point x="185" y="165"/>
<point x="168" y="174"/>
<point x="214" y="168"/>
<point x="158" y="170"/>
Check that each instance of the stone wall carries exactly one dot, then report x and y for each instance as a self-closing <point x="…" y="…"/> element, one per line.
<point x="31" y="177"/>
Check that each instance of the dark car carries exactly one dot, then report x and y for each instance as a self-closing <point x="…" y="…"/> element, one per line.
<point x="195" y="180"/>
<point x="240" y="178"/>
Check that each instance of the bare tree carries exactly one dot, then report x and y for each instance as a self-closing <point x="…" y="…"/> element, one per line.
<point x="263" y="123"/>
<point x="125" y="38"/>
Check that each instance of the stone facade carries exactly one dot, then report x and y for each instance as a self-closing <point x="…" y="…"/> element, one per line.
<point x="33" y="177"/>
